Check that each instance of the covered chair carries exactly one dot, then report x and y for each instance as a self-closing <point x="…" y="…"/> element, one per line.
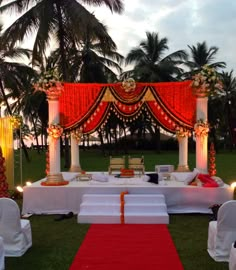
<point x="222" y="233"/>
<point x="16" y="232"/>
<point x="2" y="255"/>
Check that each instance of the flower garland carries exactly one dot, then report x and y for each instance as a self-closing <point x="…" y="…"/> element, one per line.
<point x="16" y="121"/>
<point x="122" y="206"/>
<point x="49" y="82"/>
<point x="206" y="82"/>
<point x="55" y="131"/>
<point x="201" y="128"/>
<point x="182" y="132"/>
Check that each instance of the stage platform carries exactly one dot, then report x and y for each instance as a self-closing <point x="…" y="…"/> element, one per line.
<point x="180" y="198"/>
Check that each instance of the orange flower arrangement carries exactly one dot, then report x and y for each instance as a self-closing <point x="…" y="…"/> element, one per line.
<point x="201" y="128"/>
<point x="55" y="130"/>
<point x="182" y="132"/>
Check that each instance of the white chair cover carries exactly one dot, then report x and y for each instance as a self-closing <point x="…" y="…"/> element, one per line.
<point x="2" y="255"/>
<point x="222" y="233"/>
<point x="16" y="232"/>
<point x="232" y="258"/>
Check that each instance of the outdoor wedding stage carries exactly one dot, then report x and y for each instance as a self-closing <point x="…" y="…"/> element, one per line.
<point x="179" y="197"/>
<point x="77" y="110"/>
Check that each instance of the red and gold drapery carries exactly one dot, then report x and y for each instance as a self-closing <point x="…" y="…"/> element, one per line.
<point x="88" y="105"/>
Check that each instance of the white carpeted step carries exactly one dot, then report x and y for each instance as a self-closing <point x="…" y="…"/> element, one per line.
<point x="138" y="208"/>
<point x="101" y="218"/>
<point x="101" y="198"/>
<point x="100" y="208"/>
<point x="144" y="198"/>
<point x="145" y="208"/>
<point x="151" y="218"/>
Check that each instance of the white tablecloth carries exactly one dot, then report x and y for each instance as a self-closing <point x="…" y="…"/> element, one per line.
<point x="180" y="198"/>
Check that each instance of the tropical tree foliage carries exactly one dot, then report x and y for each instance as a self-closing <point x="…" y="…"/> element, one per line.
<point x="150" y="64"/>
<point x="61" y="20"/>
<point x="201" y="55"/>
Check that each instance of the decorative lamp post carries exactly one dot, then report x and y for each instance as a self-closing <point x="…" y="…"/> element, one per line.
<point x="76" y="136"/>
<point x="182" y="135"/>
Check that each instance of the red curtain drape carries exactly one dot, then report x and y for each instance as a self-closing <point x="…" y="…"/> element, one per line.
<point x="88" y="105"/>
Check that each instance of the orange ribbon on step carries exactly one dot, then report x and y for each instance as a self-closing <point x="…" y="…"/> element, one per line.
<point x="122" y="206"/>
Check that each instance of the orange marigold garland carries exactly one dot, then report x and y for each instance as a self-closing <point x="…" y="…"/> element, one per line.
<point x="47" y="163"/>
<point x="122" y="206"/>
<point x="3" y="180"/>
<point x="212" y="164"/>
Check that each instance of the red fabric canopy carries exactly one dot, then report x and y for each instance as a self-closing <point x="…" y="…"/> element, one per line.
<point x="88" y="105"/>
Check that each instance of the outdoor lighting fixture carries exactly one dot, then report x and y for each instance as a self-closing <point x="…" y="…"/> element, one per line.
<point x="19" y="189"/>
<point x="28" y="183"/>
<point x="233" y="185"/>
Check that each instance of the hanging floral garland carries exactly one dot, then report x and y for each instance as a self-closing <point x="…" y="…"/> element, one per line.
<point x="55" y="131"/>
<point x="206" y="82"/>
<point x="201" y="128"/>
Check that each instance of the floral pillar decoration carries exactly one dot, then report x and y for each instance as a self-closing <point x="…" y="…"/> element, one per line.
<point x="212" y="159"/>
<point x="49" y="83"/>
<point x="76" y="136"/>
<point x="205" y="83"/>
<point x="201" y="129"/>
<point x="182" y="135"/>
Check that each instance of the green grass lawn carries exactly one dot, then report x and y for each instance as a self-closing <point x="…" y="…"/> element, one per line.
<point x="55" y="243"/>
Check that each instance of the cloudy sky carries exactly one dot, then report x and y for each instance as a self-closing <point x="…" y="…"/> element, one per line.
<point x="182" y="22"/>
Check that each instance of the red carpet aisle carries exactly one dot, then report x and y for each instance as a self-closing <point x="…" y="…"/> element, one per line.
<point x="127" y="247"/>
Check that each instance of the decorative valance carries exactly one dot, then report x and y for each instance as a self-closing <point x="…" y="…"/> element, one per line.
<point x="89" y="105"/>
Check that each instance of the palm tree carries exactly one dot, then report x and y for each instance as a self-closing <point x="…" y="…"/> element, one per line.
<point x="13" y="75"/>
<point x="201" y="55"/>
<point x="90" y="61"/>
<point x="149" y="63"/>
<point x="222" y="112"/>
<point x="62" y="20"/>
<point x="98" y="63"/>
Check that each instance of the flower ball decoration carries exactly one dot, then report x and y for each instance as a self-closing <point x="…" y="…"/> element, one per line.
<point x="201" y="128"/>
<point x="129" y="85"/>
<point x="182" y="132"/>
<point x="55" y="131"/>
<point x="206" y="82"/>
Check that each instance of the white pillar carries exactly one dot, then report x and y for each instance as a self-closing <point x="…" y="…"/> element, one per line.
<point x="183" y="154"/>
<point x="75" y="161"/>
<point x="54" y="176"/>
<point x="202" y="139"/>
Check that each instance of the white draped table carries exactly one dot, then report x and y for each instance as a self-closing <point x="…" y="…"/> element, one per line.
<point x="180" y="198"/>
